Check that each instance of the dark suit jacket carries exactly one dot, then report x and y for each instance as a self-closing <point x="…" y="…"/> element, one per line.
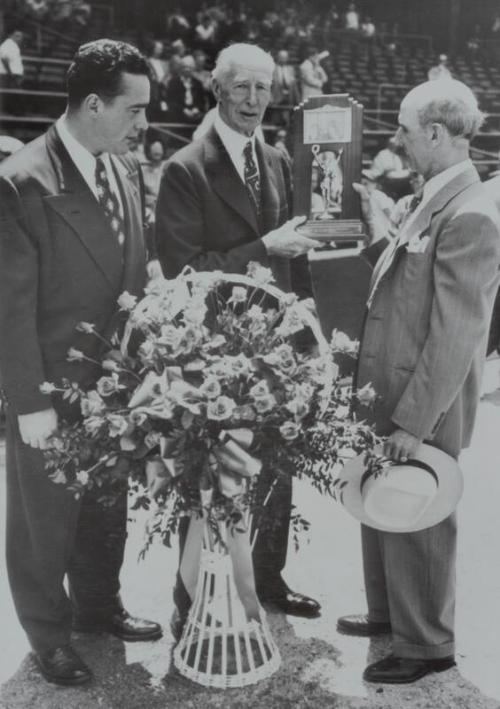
<point x="59" y="265"/>
<point x="204" y="217"/>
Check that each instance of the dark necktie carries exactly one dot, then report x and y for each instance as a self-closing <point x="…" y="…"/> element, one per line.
<point x="252" y="177"/>
<point x="414" y="202"/>
<point x="109" y="202"/>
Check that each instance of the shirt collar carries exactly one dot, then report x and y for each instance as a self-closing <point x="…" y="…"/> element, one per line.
<point x="233" y="141"/>
<point x="433" y="185"/>
<point x="83" y="158"/>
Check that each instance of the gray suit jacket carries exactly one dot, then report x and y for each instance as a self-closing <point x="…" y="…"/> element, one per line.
<point x="425" y="334"/>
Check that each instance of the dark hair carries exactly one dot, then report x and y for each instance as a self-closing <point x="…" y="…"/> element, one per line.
<point x="97" y="67"/>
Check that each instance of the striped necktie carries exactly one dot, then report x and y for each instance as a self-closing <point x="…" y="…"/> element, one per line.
<point x="252" y="180"/>
<point x="109" y="202"/>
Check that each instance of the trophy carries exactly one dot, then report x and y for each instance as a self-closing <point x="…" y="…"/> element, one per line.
<point x="327" y="160"/>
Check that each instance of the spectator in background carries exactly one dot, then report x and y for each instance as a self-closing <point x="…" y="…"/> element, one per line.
<point x="440" y="71"/>
<point x="391" y="170"/>
<point x="81" y="12"/>
<point x="178" y="52"/>
<point x="351" y="20"/>
<point x="11" y="62"/>
<point x="178" y="26"/>
<point x="495" y="28"/>
<point x="280" y="143"/>
<point x="381" y="203"/>
<point x="312" y="75"/>
<point x="405" y="203"/>
<point x="152" y="172"/>
<point x="37" y="9"/>
<point x="185" y="95"/>
<point x="205" y="35"/>
<point x="159" y="74"/>
<point x="12" y="72"/>
<point x="285" y="89"/>
<point x="204" y="76"/>
<point x="368" y="29"/>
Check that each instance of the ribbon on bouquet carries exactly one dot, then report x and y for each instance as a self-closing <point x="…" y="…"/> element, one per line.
<point x="231" y="465"/>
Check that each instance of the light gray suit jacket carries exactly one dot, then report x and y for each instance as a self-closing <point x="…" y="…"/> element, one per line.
<point x="425" y="334"/>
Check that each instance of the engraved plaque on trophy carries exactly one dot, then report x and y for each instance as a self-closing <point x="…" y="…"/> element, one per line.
<point x="327" y="160"/>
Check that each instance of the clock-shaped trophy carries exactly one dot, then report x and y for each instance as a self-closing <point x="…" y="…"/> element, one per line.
<point x="327" y="160"/>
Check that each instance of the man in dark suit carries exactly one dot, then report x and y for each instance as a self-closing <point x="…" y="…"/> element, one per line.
<point x="224" y="201"/>
<point x="71" y="242"/>
<point x="185" y="95"/>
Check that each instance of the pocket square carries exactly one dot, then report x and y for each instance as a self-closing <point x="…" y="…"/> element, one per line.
<point x="417" y="244"/>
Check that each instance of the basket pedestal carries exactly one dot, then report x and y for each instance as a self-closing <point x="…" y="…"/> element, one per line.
<point x="219" y="646"/>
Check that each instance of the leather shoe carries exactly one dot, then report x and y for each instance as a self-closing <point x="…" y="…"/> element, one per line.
<point x="61" y="665"/>
<point x="404" y="670"/>
<point x="360" y="625"/>
<point x="293" y="603"/>
<point x="123" y="626"/>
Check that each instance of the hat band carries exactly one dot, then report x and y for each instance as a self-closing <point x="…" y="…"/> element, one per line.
<point x="412" y="462"/>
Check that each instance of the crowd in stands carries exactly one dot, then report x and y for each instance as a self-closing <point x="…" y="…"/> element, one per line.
<point x="57" y="13"/>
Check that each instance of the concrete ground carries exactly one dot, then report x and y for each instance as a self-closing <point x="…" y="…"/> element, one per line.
<point x="320" y="668"/>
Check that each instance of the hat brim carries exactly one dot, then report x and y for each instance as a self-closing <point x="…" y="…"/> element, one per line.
<point x="448" y="494"/>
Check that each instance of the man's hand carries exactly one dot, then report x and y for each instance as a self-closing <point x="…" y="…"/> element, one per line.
<point x="286" y="242"/>
<point x="36" y="428"/>
<point x="401" y="445"/>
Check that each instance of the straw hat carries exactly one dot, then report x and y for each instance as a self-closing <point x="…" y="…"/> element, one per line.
<point x="406" y="497"/>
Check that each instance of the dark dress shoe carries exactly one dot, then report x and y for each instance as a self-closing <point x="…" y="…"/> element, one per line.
<point x="360" y="625"/>
<point x="123" y="626"/>
<point x="404" y="670"/>
<point x="61" y="665"/>
<point x="293" y="603"/>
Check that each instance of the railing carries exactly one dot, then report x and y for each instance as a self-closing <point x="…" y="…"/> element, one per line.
<point x="424" y="40"/>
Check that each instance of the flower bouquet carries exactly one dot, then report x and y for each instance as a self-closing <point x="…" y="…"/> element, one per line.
<point x="208" y="385"/>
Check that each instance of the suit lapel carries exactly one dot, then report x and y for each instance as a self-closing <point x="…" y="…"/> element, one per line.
<point x="79" y="208"/>
<point x="389" y="259"/>
<point x="134" y="257"/>
<point x="270" y="203"/>
<point x="226" y="181"/>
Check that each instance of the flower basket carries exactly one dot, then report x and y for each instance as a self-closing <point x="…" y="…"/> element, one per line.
<point x="205" y="388"/>
<point x="220" y="647"/>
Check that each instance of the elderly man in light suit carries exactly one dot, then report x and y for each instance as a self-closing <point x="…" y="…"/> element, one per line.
<point x="225" y="201"/>
<point x="423" y="349"/>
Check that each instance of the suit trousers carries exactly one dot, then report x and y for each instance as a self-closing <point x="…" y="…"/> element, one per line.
<point x="270" y="550"/>
<point x="51" y="534"/>
<point x="410" y="582"/>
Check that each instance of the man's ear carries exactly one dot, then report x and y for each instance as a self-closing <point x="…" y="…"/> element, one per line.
<point x="92" y="103"/>
<point x="216" y="89"/>
<point x="438" y="132"/>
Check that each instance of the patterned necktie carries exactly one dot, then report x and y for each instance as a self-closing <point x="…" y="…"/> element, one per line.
<point x="109" y="201"/>
<point x="252" y="177"/>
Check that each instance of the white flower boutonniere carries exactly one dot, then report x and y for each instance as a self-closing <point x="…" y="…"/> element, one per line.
<point x="417" y="244"/>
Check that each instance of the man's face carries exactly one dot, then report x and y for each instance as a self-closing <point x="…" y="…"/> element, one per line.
<point x="243" y="96"/>
<point x="120" y="120"/>
<point x="18" y="37"/>
<point x="414" y="139"/>
<point x="282" y="57"/>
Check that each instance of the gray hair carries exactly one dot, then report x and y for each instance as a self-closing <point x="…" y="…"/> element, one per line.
<point x="242" y="54"/>
<point x="450" y="103"/>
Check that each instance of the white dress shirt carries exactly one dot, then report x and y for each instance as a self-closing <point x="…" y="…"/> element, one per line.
<point x="86" y="162"/>
<point x="235" y="143"/>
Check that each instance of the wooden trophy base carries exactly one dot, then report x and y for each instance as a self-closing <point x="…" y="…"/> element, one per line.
<point x="332" y="230"/>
